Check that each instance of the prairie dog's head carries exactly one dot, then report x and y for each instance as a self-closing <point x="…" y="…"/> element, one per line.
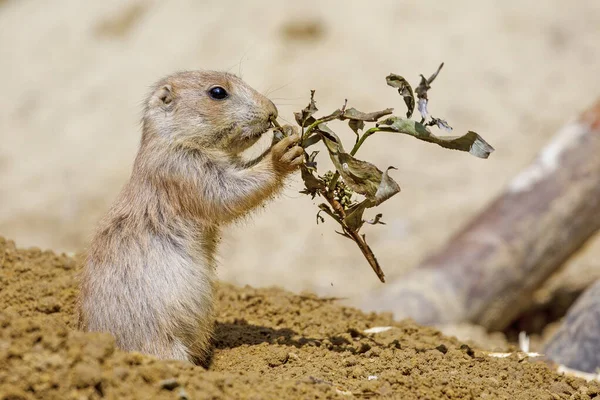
<point x="207" y="110"/>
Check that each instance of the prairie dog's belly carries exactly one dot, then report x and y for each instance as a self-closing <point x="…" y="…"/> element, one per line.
<point x="157" y="289"/>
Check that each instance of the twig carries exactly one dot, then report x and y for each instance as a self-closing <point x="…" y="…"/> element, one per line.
<point x="354" y="235"/>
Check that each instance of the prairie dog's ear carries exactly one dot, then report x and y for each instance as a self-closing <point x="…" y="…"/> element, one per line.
<point x="163" y="96"/>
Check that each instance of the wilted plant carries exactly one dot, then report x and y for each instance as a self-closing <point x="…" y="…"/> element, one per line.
<point x="361" y="177"/>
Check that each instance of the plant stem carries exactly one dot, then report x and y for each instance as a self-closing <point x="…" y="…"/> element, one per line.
<point x="364" y="137"/>
<point x="354" y="235"/>
<point x="312" y="126"/>
<point x="275" y="123"/>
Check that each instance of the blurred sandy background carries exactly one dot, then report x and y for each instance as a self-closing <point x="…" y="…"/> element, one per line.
<point x="73" y="75"/>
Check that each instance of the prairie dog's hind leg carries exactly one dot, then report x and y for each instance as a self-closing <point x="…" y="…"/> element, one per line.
<point x="172" y="349"/>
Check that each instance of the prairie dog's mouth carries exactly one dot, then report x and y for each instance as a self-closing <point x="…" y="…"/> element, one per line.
<point x="257" y="130"/>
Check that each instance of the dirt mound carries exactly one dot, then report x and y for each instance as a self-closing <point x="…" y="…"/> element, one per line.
<point x="268" y="344"/>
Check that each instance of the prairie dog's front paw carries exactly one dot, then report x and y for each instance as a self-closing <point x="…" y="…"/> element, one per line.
<point x="287" y="155"/>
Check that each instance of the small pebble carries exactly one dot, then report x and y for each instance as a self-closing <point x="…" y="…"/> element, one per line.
<point x="168" y="384"/>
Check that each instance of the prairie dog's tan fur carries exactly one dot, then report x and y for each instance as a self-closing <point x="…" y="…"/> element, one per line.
<point x="150" y="270"/>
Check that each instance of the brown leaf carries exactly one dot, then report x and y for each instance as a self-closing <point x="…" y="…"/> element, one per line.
<point x="331" y="140"/>
<point x="354" y="114"/>
<point x="357" y="118"/>
<point x="440" y="123"/>
<point x="422" y="89"/>
<point x="356" y="125"/>
<point x="362" y="177"/>
<point x="304" y="117"/>
<point x="311" y="164"/>
<point x="405" y="91"/>
<point x="312" y="184"/>
<point x="327" y="210"/>
<point x="313" y="139"/>
<point x="387" y="187"/>
<point x="376" y="220"/>
<point x="354" y="216"/>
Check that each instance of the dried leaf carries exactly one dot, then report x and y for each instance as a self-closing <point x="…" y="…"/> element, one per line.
<point x="354" y="114"/>
<point x="312" y="184"/>
<point x="298" y="116"/>
<point x="327" y="210"/>
<point x="331" y="140"/>
<point x="356" y="125"/>
<point x="421" y="92"/>
<point x="471" y="141"/>
<point x="425" y="84"/>
<point x="354" y="215"/>
<point x="376" y="220"/>
<point x="405" y="91"/>
<point x="422" y="107"/>
<point x="304" y="117"/>
<point x="319" y="218"/>
<point x="440" y="123"/>
<point x="360" y="176"/>
<point x="387" y="188"/>
<point x="334" y="115"/>
<point x="314" y="139"/>
<point x="311" y="164"/>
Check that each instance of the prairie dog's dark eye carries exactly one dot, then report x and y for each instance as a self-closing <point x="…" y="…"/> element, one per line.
<point x="218" y="93"/>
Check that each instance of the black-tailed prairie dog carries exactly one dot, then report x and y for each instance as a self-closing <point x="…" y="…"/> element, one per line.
<point x="150" y="270"/>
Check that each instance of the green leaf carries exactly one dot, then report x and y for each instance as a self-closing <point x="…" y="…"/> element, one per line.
<point x="405" y="91"/>
<point x="470" y="142"/>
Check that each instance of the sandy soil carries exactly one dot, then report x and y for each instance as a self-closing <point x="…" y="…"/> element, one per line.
<point x="269" y="344"/>
<point x="74" y="75"/>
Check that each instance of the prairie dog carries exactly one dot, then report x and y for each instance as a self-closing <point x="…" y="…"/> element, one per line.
<point x="149" y="275"/>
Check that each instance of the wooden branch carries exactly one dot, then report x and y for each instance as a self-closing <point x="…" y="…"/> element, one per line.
<point x="576" y="344"/>
<point x="487" y="272"/>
